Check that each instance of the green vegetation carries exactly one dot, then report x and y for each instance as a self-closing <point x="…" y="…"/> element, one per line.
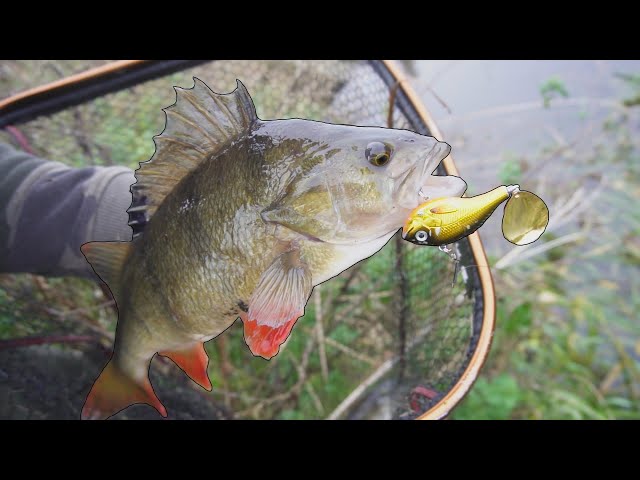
<point x="634" y="82"/>
<point x="510" y="171"/>
<point x="553" y="88"/>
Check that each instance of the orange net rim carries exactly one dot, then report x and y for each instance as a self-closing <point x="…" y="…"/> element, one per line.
<point x="466" y="380"/>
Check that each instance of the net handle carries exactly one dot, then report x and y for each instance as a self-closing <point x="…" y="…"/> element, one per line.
<point x="84" y="86"/>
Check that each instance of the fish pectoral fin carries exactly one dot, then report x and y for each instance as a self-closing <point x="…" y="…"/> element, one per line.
<point x="276" y="304"/>
<point x="114" y="391"/>
<point x="308" y="225"/>
<point x="193" y="360"/>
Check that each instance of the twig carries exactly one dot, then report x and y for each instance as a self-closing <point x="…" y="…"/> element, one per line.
<point x="37" y="340"/>
<point x="80" y="135"/>
<point x="81" y="311"/>
<point x="440" y="100"/>
<point x="95" y="327"/>
<point x="57" y="70"/>
<point x="42" y="286"/>
<point x="556" y="135"/>
<point x="324" y="367"/>
<point x="58" y="315"/>
<point x="443" y="70"/>
<point x="356" y="303"/>
<point x="542" y="162"/>
<point x="225" y="366"/>
<point x="535" y="105"/>
<point x="345" y="286"/>
<point x="295" y="389"/>
<point x="576" y="204"/>
<point x="314" y="396"/>
<point x="393" y="91"/>
<point x="229" y="393"/>
<point x="355" y="395"/>
<point x="20" y="138"/>
<point x="349" y="351"/>
<point x="632" y="372"/>
<point x="104" y="288"/>
<point x="430" y="89"/>
<point x="505" y="262"/>
<point x="401" y="306"/>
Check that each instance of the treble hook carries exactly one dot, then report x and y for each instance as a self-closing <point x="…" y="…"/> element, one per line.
<point x="456" y="261"/>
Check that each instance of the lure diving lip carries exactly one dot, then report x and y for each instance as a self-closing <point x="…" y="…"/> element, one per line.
<point x="441" y="221"/>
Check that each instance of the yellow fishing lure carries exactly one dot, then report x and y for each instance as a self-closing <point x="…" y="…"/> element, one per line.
<point x="441" y="221"/>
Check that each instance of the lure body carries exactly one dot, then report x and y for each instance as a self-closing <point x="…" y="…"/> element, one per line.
<point x="441" y="221"/>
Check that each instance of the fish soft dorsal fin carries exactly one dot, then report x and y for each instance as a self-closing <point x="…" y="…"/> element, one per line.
<point x="107" y="260"/>
<point x="199" y="124"/>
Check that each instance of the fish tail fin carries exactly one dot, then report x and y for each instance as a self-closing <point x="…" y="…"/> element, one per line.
<point x="114" y="391"/>
<point x="107" y="260"/>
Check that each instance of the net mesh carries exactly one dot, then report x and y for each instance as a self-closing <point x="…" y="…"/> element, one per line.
<point x="385" y="339"/>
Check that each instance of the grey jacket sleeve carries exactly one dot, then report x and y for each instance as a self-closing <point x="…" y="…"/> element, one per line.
<point x="48" y="210"/>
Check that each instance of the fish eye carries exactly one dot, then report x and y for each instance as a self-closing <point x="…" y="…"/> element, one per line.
<point x="378" y="153"/>
<point x="421" y="236"/>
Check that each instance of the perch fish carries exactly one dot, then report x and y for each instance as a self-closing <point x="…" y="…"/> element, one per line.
<point x="234" y="217"/>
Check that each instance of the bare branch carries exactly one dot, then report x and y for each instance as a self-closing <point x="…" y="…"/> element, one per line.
<point x="324" y="367"/>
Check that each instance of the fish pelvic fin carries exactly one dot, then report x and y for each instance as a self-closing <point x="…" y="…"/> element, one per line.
<point x="198" y="125"/>
<point x="114" y="391"/>
<point x="193" y="360"/>
<point x="276" y="304"/>
<point x="107" y="260"/>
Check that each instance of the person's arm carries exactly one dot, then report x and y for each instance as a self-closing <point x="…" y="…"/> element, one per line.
<point x="48" y="210"/>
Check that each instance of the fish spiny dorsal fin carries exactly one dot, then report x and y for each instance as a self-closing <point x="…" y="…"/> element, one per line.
<point x="107" y="260"/>
<point x="199" y="124"/>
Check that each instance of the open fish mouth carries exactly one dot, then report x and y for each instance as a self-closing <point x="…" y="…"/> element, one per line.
<point x="429" y="185"/>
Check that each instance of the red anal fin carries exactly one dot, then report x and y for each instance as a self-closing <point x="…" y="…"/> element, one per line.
<point x="193" y="361"/>
<point x="114" y="391"/>
<point x="264" y="340"/>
